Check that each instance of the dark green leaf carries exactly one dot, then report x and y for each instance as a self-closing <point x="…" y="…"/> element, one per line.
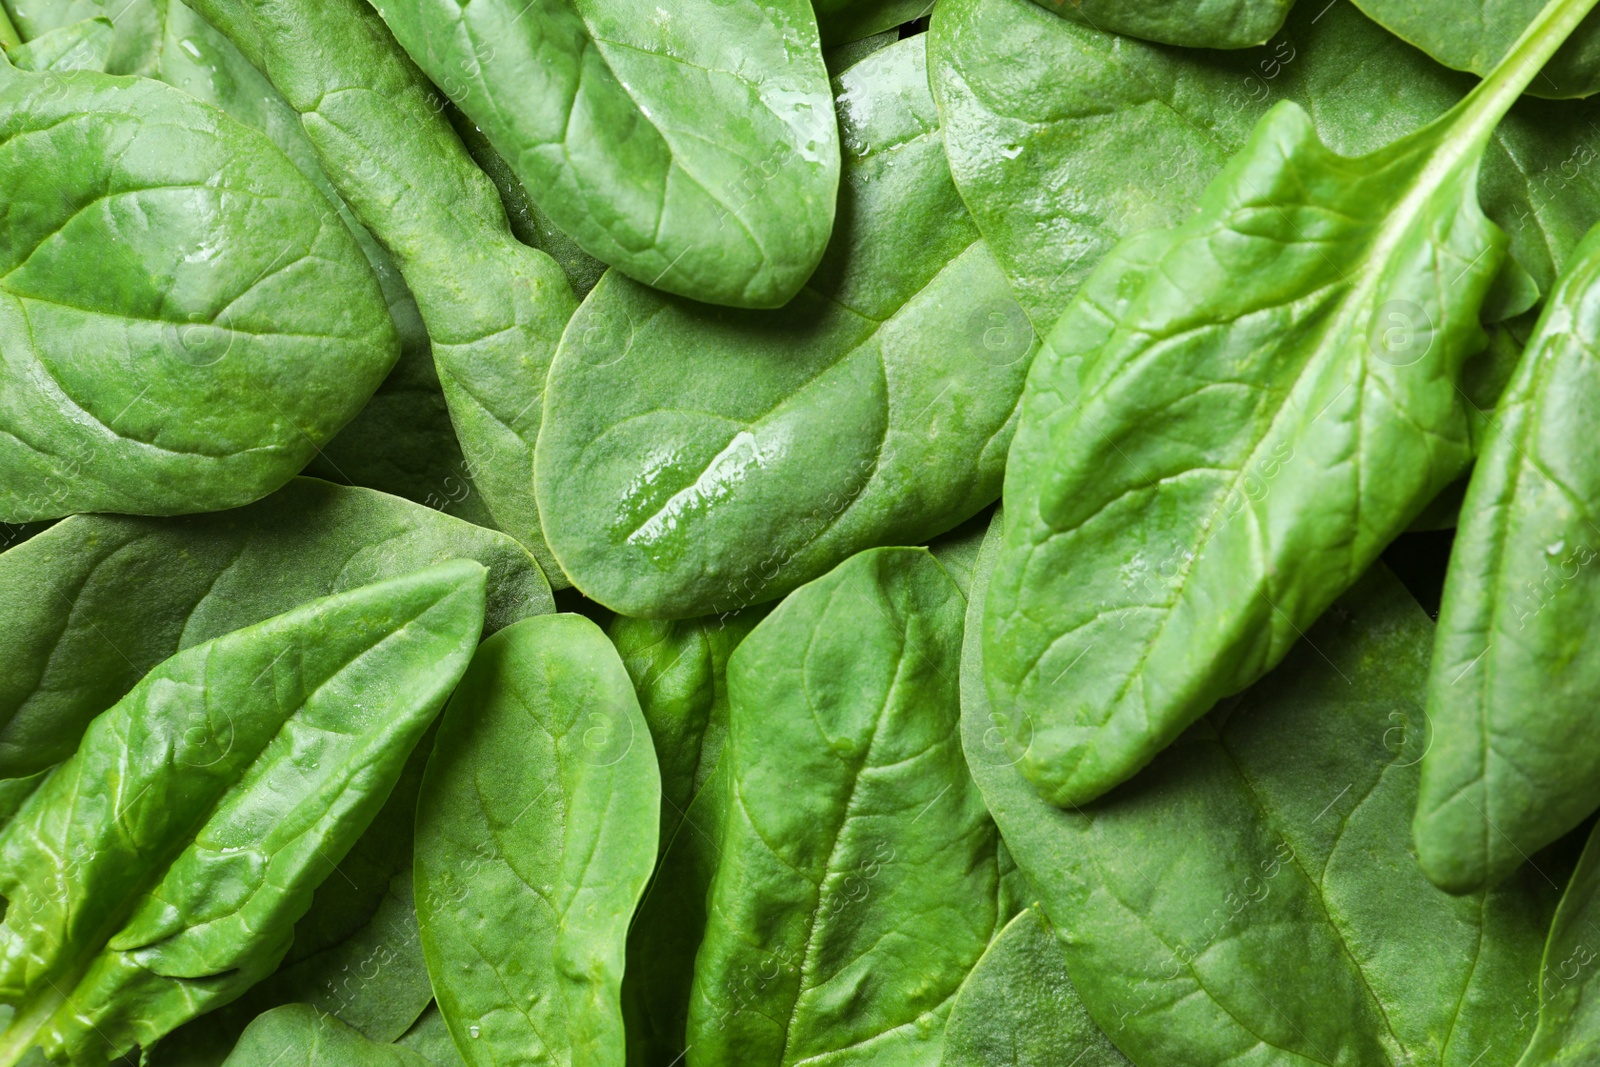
<point x="1228" y="425"/>
<point x="1568" y="1034"/>
<point x="297" y="1035"/>
<point x="845" y="21"/>
<point x="158" y="873"/>
<point x="494" y="308"/>
<point x="1207" y="24"/>
<point x="1250" y="896"/>
<point x="1511" y="766"/>
<point x="616" y="117"/>
<point x="535" y="837"/>
<point x="697" y="460"/>
<point x="1018" y="1007"/>
<point x="858" y="876"/>
<point x="183" y="325"/>
<point x="430" y="1038"/>
<point x="98" y="600"/>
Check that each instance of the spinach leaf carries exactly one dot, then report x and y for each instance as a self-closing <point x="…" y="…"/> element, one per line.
<point x="844" y="21"/>
<point x="957" y="551"/>
<point x="696" y="460"/>
<point x="83" y="45"/>
<point x="1207" y="24"/>
<point x="430" y="1038"/>
<point x="535" y="837"/>
<point x="679" y="671"/>
<point x="844" y="916"/>
<point x="96" y="601"/>
<point x="1568" y="1033"/>
<point x="158" y="873"/>
<point x="297" y="1035"/>
<point x="493" y="307"/>
<point x="1057" y="169"/>
<point x="1230" y="422"/>
<point x="1477" y="38"/>
<point x="356" y="952"/>
<point x="1018" y="1007"/>
<point x="136" y="28"/>
<point x="1509" y="769"/>
<point x="230" y="332"/>
<point x="615" y="116"/>
<point x="1248" y="896"/>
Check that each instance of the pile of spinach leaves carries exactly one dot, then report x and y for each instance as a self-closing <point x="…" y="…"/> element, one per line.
<point x="761" y="533"/>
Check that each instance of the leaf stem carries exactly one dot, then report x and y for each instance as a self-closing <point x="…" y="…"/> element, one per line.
<point x="8" y="33"/>
<point x="1516" y="70"/>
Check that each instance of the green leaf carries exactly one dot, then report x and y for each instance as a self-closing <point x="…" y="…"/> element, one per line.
<point x="96" y="601"/>
<point x="844" y="21"/>
<point x="1209" y="24"/>
<point x="183" y="327"/>
<point x="430" y="1038"/>
<point x="1568" y="1033"/>
<point x="136" y="26"/>
<point x="158" y="873"/>
<point x="679" y="671"/>
<point x="1250" y="896"/>
<point x="696" y="460"/>
<point x="1133" y="138"/>
<point x="535" y="837"/>
<point x="494" y="308"/>
<point x="82" y="45"/>
<point x="297" y="1035"/>
<point x="1476" y="38"/>
<point x="616" y="117"/>
<point x="1510" y="767"/>
<point x="844" y="915"/>
<point x="957" y="551"/>
<point x="1018" y="1007"/>
<point x="1230" y="422"/>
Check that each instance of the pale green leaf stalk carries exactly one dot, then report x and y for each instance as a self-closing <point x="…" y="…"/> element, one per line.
<point x="536" y="834"/>
<point x="159" y="872"/>
<point x="1513" y="687"/>
<point x="494" y="307"/>
<point x="1230" y="422"/>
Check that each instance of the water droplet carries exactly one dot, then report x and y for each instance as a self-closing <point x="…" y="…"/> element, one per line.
<point x="1554" y="547"/>
<point x="473" y="1030"/>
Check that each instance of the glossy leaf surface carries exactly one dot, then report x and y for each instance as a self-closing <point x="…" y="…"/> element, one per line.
<point x="1018" y="1007"/>
<point x="1476" y="37"/>
<point x="844" y="915"/>
<point x="97" y="600"/>
<point x="535" y="837"/>
<point x="1207" y="24"/>
<point x="1195" y="474"/>
<point x="493" y="307"/>
<point x="158" y="873"/>
<point x="237" y="327"/>
<point x="614" y="115"/>
<point x="1057" y="170"/>
<point x="1511" y="767"/>
<point x="1249" y="897"/>
<point x="695" y="461"/>
<point x="297" y="1035"/>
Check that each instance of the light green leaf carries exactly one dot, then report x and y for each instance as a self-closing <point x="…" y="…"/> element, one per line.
<point x="615" y="116"/>
<point x="695" y="460"/>
<point x="535" y="837"/>
<point x="845" y="915"/>
<point x="1568" y="1034"/>
<point x="1057" y="170"/>
<point x="98" y="600"/>
<point x="1250" y="897"/>
<point x="1230" y="422"/>
<point x="158" y="873"/>
<point x="1476" y="37"/>
<point x="82" y="45"/>
<point x="1018" y="1007"/>
<point x="297" y="1035"/>
<point x="136" y="26"/>
<point x="1511" y="767"/>
<point x="494" y="308"/>
<point x="183" y="323"/>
